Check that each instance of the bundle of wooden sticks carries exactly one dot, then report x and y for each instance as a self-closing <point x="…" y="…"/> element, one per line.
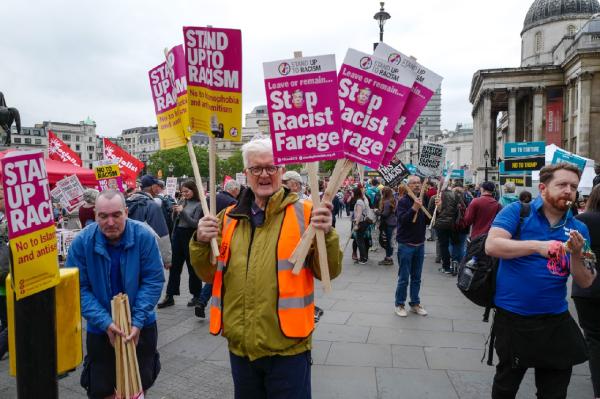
<point x="129" y="383"/>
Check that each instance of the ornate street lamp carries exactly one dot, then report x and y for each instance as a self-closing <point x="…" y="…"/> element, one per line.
<point x="486" y="156"/>
<point x="381" y="17"/>
<point x="171" y="167"/>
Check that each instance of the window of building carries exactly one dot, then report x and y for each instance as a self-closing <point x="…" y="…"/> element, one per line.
<point x="77" y="147"/>
<point x="571" y="30"/>
<point x="91" y="139"/>
<point x="17" y="140"/>
<point x="38" y="141"/>
<point x="90" y="148"/>
<point x="27" y="140"/>
<point x="539" y="42"/>
<point x="66" y="137"/>
<point x="77" y="138"/>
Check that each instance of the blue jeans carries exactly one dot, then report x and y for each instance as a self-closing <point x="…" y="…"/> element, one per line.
<point x="458" y="249"/>
<point x="273" y="377"/>
<point x="410" y="259"/>
<point x="205" y="293"/>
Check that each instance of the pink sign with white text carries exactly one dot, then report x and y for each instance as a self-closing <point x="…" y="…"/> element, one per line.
<point x="424" y="87"/>
<point x="372" y="93"/>
<point x="304" y="113"/>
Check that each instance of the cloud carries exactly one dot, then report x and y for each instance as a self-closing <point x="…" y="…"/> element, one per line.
<point x="65" y="60"/>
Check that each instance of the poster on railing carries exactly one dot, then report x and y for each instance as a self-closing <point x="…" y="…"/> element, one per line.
<point x="31" y="229"/>
<point x="168" y="84"/>
<point x="372" y="93"/>
<point x="304" y="111"/>
<point x="214" y="77"/>
<point x="431" y="160"/>
<point x="424" y="87"/>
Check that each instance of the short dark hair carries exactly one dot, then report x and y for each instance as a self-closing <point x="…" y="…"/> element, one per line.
<point x="547" y="172"/>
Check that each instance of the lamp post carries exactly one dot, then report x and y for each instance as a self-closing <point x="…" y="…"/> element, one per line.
<point x="419" y="122"/>
<point x="486" y="156"/>
<point x="171" y="167"/>
<point x="381" y="17"/>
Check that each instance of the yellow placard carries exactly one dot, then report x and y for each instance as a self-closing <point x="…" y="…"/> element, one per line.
<point x="107" y="171"/>
<point x="219" y="111"/>
<point x="173" y="125"/>
<point x="35" y="261"/>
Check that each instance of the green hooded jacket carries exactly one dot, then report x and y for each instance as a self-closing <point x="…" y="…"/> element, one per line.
<point x="250" y="292"/>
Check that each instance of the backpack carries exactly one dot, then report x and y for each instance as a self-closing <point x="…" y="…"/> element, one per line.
<point x="167" y="210"/>
<point x="482" y="285"/>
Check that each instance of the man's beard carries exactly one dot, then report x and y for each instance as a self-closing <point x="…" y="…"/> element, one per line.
<point x="559" y="203"/>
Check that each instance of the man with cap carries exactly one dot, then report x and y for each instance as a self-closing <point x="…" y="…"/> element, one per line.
<point x="292" y="180"/>
<point x="142" y="207"/>
<point x="481" y="211"/>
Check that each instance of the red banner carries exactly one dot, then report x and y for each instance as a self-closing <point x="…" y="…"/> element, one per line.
<point x="554" y="116"/>
<point x="58" y="150"/>
<point x="129" y="165"/>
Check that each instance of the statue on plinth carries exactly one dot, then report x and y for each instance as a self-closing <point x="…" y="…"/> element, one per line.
<point x="7" y="117"/>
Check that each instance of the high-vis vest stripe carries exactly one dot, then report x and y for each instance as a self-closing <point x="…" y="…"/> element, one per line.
<point x="295" y="303"/>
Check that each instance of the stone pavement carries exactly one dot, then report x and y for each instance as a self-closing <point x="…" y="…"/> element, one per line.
<point x="361" y="348"/>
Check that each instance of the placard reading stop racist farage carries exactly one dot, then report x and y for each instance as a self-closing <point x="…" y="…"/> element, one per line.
<point x="372" y="93"/>
<point x="424" y="87"/>
<point x="304" y="113"/>
<point x="31" y="229"/>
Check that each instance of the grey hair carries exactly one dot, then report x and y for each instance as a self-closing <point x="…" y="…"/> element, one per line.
<point x="90" y="195"/>
<point x="509" y="187"/>
<point x="258" y="145"/>
<point x="110" y="194"/>
<point x="231" y="185"/>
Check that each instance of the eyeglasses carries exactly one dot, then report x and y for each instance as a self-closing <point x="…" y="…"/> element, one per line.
<point x="258" y="170"/>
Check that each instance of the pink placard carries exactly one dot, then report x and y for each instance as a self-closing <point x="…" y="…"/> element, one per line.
<point x="168" y="81"/>
<point x="214" y="58"/>
<point x="304" y="113"/>
<point x="26" y="193"/>
<point x="425" y="85"/>
<point x="372" y="93"/>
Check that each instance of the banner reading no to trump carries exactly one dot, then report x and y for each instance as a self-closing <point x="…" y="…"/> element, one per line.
<point x="214" y="77"/>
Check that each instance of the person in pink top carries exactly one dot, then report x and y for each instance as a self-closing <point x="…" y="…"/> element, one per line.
<point x="481" y="211"/>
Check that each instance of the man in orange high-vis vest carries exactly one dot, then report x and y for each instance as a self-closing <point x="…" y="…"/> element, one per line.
<point x="265" y="312"/>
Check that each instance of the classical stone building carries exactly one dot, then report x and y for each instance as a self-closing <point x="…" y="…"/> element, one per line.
<point x="554" y="95"/>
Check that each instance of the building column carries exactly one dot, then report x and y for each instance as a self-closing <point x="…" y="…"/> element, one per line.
<point x="585" y="104"/>
<point x="487" y="125"/>
<point x="512" y="115"/>
<point x="538" y="114"/>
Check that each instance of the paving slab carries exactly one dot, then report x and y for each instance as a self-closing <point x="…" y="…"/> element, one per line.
<point x="395" y="383"/>
<point x="339" y="382"/>
<point x="355" y="354"/>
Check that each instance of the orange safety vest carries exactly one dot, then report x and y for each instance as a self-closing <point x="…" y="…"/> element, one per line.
<point x="295" y="304"/>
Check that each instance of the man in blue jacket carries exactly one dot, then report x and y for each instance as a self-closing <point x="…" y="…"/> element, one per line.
<point x="117" y="255"/>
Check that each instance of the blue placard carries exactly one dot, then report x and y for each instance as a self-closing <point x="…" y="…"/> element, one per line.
<point x="504" y="172"/>
<point x="520" y="150"/>
<point x="412" y="169"/>
<point x="457" y="174"/>
<point x="563" y="156"/>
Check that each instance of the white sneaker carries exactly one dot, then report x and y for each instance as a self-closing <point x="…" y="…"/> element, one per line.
<point x="400" y="311"/>
<point x="418" y="309"/>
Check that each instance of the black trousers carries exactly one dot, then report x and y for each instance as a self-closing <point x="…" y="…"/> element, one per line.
<point x="99" y="375"/>
<point x="181" y="255"/>
<point x="551" y="344"/>
<point x="588" y="311"/>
